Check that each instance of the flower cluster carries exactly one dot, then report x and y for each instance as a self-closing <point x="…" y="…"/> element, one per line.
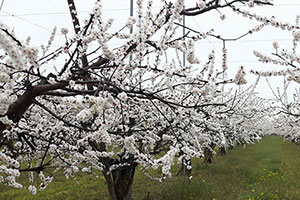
<point x="64" y="31"/>
<point x="224" y="59"/>
<point x="10" y="178"/>
<point x="4" y="158"/>
<point x="50" y="41"/>
<point x="45" y="181"/>
<point x="130" y="22"/>
<point x="190" y="54"/>
<point x="265" y="20"/>
<point x="201" y="4"/>
<point x="268" y="59"/>
<point x="11" y="48"/>
<point x="32" y="189"/>
<point x="240" y="76"/>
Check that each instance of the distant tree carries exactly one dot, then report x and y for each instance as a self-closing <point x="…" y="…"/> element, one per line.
<point x="287" y="111"/>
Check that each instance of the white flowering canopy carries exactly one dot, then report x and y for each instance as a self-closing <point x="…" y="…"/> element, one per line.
<point x="112" y="109"/>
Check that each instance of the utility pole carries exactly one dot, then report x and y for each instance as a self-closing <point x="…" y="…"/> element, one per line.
<point x="131" y="28"/>
<point x="183" y="32"/>
<point x="1" y="5"/>
<point x="131" y="13"/>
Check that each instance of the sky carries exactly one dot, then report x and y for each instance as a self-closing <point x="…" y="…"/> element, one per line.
<point x="36" y="18"/>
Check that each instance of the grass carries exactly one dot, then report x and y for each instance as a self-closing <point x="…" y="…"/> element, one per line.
<point x="266" y="170"/>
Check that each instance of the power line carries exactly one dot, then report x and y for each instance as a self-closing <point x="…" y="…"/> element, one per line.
<point x="246" y="41"/>
<point x="25" y="20"/>
<point x="206" y="37"/>
<point x="204" y="42"/>
<point x="32" y="23"/>
<point x="107" y="10"/>
<point x="291" y="4"/>
<point x="63" y="13"/>
<point x="46" y="29"/>
<point x="210" y="42"/>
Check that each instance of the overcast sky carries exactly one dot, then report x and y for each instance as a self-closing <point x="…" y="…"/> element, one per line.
<point x="38" y="17"/>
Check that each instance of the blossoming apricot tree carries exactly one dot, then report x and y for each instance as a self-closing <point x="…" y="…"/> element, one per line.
<point x="114" y="109"/>
<point x="287" y="111"/>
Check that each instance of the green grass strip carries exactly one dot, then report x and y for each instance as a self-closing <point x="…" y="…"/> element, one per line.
<point x="266" y="170"/>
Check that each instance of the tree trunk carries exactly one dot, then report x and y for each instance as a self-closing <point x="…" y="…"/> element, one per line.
<point x="208" y="154"/>
<point x="184" y="170"/>
<point x="222" y="151"/>
<point x="119" y="182"/>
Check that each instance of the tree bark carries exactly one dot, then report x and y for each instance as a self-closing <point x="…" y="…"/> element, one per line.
<point x="208" y="154"/>
<point x="119" y="183"/>
<point x="19" y="107"/>
<point x="222" y="151"/>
